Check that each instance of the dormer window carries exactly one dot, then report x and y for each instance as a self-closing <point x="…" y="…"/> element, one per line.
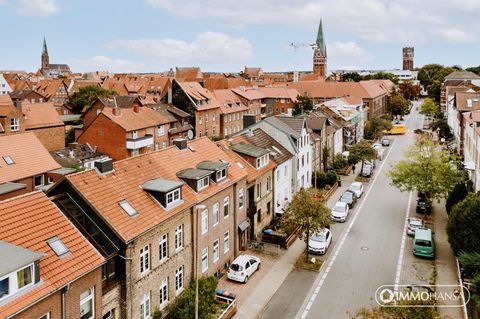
<point x="221" y="174"/>
<point x="218" y="170"/>
<point x="166" y="192"/>
<point x="204" y="182"/>
<point x="197" y="179"/>
<point x="262" y="161"/>
<point x="14" y="124"/>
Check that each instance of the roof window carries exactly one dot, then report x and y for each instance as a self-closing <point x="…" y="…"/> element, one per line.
<point x="58" y="246"/>
<point x="8" y="159"/>
<point x="128" y="208"/>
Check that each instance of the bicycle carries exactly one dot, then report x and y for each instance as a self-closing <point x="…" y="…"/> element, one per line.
<point x="257" y="245"/>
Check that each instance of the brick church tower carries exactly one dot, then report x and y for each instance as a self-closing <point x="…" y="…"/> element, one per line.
<point x="320" y="54"/>
<point x="45" y="65"/>
<point x="407" y="58"/>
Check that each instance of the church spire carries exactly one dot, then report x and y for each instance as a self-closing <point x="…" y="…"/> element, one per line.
<point x="320" y="40"/>
<point x="44" y="51"/>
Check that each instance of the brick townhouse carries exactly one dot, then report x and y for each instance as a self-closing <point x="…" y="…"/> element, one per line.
<point x="122" y="132"/>
<point x="279" y="99"/>
<point x="201" y="104"/>
<point x="231" y="112"/>
<point x="253" y="99"/>
<point x="52" y="271"/>
<point x="162" y="210"/>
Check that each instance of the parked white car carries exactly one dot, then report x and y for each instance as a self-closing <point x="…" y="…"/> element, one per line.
<point x="357" y="188"/>
<point x="414" y="223"/>
<point x="319" y="242"/>
<point x="340" y="212"/>
<point x="243" y="268"/>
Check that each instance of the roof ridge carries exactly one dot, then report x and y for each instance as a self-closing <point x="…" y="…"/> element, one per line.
<point x="21" y="196"/>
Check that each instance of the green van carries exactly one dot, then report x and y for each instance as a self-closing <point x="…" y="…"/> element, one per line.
<point x="423" y="243"/>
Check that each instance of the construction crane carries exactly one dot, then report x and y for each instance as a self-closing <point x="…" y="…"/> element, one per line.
<point x="295" y="46"/>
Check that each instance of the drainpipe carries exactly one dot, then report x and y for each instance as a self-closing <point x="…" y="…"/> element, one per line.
<point x="64" y="310"/>
<point x="235" y="221"/>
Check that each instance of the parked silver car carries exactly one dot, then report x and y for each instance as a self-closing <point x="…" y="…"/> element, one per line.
<point x="319" y="242"/>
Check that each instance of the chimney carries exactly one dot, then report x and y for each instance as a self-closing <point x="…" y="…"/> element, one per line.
<point x="180" y="143"/>
<point x="169" y="95"/>
<point x="116" y="110"/>
<point x="18" y="104"/>
<point x="104" y="165"/>
<point x="136" y="108"/>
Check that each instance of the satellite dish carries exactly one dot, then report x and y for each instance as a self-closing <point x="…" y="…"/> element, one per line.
<point x="190" y="134"/>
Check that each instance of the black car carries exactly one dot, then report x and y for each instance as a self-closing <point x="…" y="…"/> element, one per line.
<point x="349" y="197"/>
<point x="424" y="205"/>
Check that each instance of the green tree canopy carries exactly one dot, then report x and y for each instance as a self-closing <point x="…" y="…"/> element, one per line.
<point x="427" y="73"/>
<point x="86" y="96"/>
<point x="463" y="225"/>
<point x="398" y="105"/>
<point x="425" y="168"/>
<point x="307" y="213"/>
<point x="409" y="90"/>
<point x="429" y="108"/>
<point x="303" y="104"/>
<point x="471" y="267"/>
<point x="184" y="305"/>
<point x="351" y="77"/>
<point x="475" y="69"/>
<point x="375" y="127"/>
<point x="459" y="192"/>
<point x="360" y="152"/>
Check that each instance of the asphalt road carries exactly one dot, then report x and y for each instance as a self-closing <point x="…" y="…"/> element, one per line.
<point x="366" y="249"/>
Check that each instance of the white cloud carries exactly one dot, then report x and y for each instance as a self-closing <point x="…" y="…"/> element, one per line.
<point x="2" y="2"/>
<point x="348" y="53"/>
<point x="38" y="8"/>
<point x="245" y="12"/>
<point x="100" y="62"/>
<point x="209" y="48"/>
<point x="457" y="36"/>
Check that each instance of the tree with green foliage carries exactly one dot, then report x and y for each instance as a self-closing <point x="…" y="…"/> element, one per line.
<point x="427" y="73"/>
<point x="398" y="105"/>
<point x="458" y="193"/>
<point x="475" y="69"/>
<point x="463" y="225"/>
<point x="426" y="169"/>
<point x="351" y="77"/>
<point x="374" y="128"/>
<point x="401" y="311"/>
<point x="86" y="96"/>
<point x="429" y="108"/>
<point x="307" y="213"/>
<point x="184" y="305"/>
<point x="360" y="152"/>
<point x="431" y="76"/>
<point x="409" y="90"/>
<point x="303" y="104"/>
<point x="440" y="123"/>
<point x="325" y="156"/>
<point x="339" y="161"/>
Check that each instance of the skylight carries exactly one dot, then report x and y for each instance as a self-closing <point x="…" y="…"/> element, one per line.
<point x="127" y="208"/>
<point x="57" y="246"/>
<point x="8" y="159"/>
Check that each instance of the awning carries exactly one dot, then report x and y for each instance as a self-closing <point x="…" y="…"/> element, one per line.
<point x="244" y="225"/>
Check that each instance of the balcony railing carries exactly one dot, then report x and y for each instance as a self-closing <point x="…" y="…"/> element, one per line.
<point x="136" y="143"/>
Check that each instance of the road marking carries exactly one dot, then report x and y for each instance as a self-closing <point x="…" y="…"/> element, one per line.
<point x="402" y="245"/>
<point x="339" y="247"/>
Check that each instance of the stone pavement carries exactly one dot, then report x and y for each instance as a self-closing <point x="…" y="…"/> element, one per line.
<point x="253" y="297"/>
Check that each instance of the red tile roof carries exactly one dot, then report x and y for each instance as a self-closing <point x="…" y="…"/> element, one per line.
<point x="28" y="221"/>
<point x="249" y="93"/>
<point x="130" y="120"/>
<point x="103" y="192"/>
<point x="199" y="93"/>
<point x="320" y="89"/>
<point x="40" y="115"/>
<point x="188" y="74"/>
<point x="30" y="157"/>
<point x="229" y="101"/>
<point x="6" y="105"/>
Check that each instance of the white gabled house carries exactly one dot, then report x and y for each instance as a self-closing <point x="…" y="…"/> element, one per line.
<point x="471" y="147"/>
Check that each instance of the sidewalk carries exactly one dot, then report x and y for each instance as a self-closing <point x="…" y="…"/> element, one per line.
<point x="253" y="306"/>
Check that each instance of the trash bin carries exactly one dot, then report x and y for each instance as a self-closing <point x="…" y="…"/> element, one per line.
<point x="339" y="180"/>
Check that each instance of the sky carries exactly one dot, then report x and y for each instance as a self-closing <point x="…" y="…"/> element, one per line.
<point x="227" y="35"/>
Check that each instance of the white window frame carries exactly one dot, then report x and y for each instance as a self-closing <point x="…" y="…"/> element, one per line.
<point x="213" y="117"/>
<point x="221" y="174"/>
<point x="241" y="198"/>
<point x="226" y="242"/>
<point x="179" y="237"/>
<point x="226" y="207"/>
<point x="204" y="259"/>
<point x="216" y="250"/>
<point x="206" y="117"/>
<point x="179" y="280"/>
<point x="163" y="248"/>
<point x="45" y="316"/>
<point x="89" y="298"/>
<point x="134" y="134"/>
<point x="161" y="130"/>
<point x="203" y="182"/>
<point x="14" y="124"/>
<point x="145" y="259"/>
<point x="268" y="184"/>
<point x="164" y="293"/>
<point x="173" y="197"/>
<point x="42" y="180"/>
<point x="204" y="219"/>
<point x="216" y="214"/>
<point x="145" y="307"/>
<point x="199" y="119"/>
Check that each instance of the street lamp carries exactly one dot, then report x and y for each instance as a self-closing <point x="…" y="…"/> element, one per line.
<point x="195" y="250"/>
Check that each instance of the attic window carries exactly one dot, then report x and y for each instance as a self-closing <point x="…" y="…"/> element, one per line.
<point x="8" y="159"/>
<point x="240" y="165"/>
<point x="57" y="246"/>
<point x="127" y="208"/>
<point x="221" y="174"/>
